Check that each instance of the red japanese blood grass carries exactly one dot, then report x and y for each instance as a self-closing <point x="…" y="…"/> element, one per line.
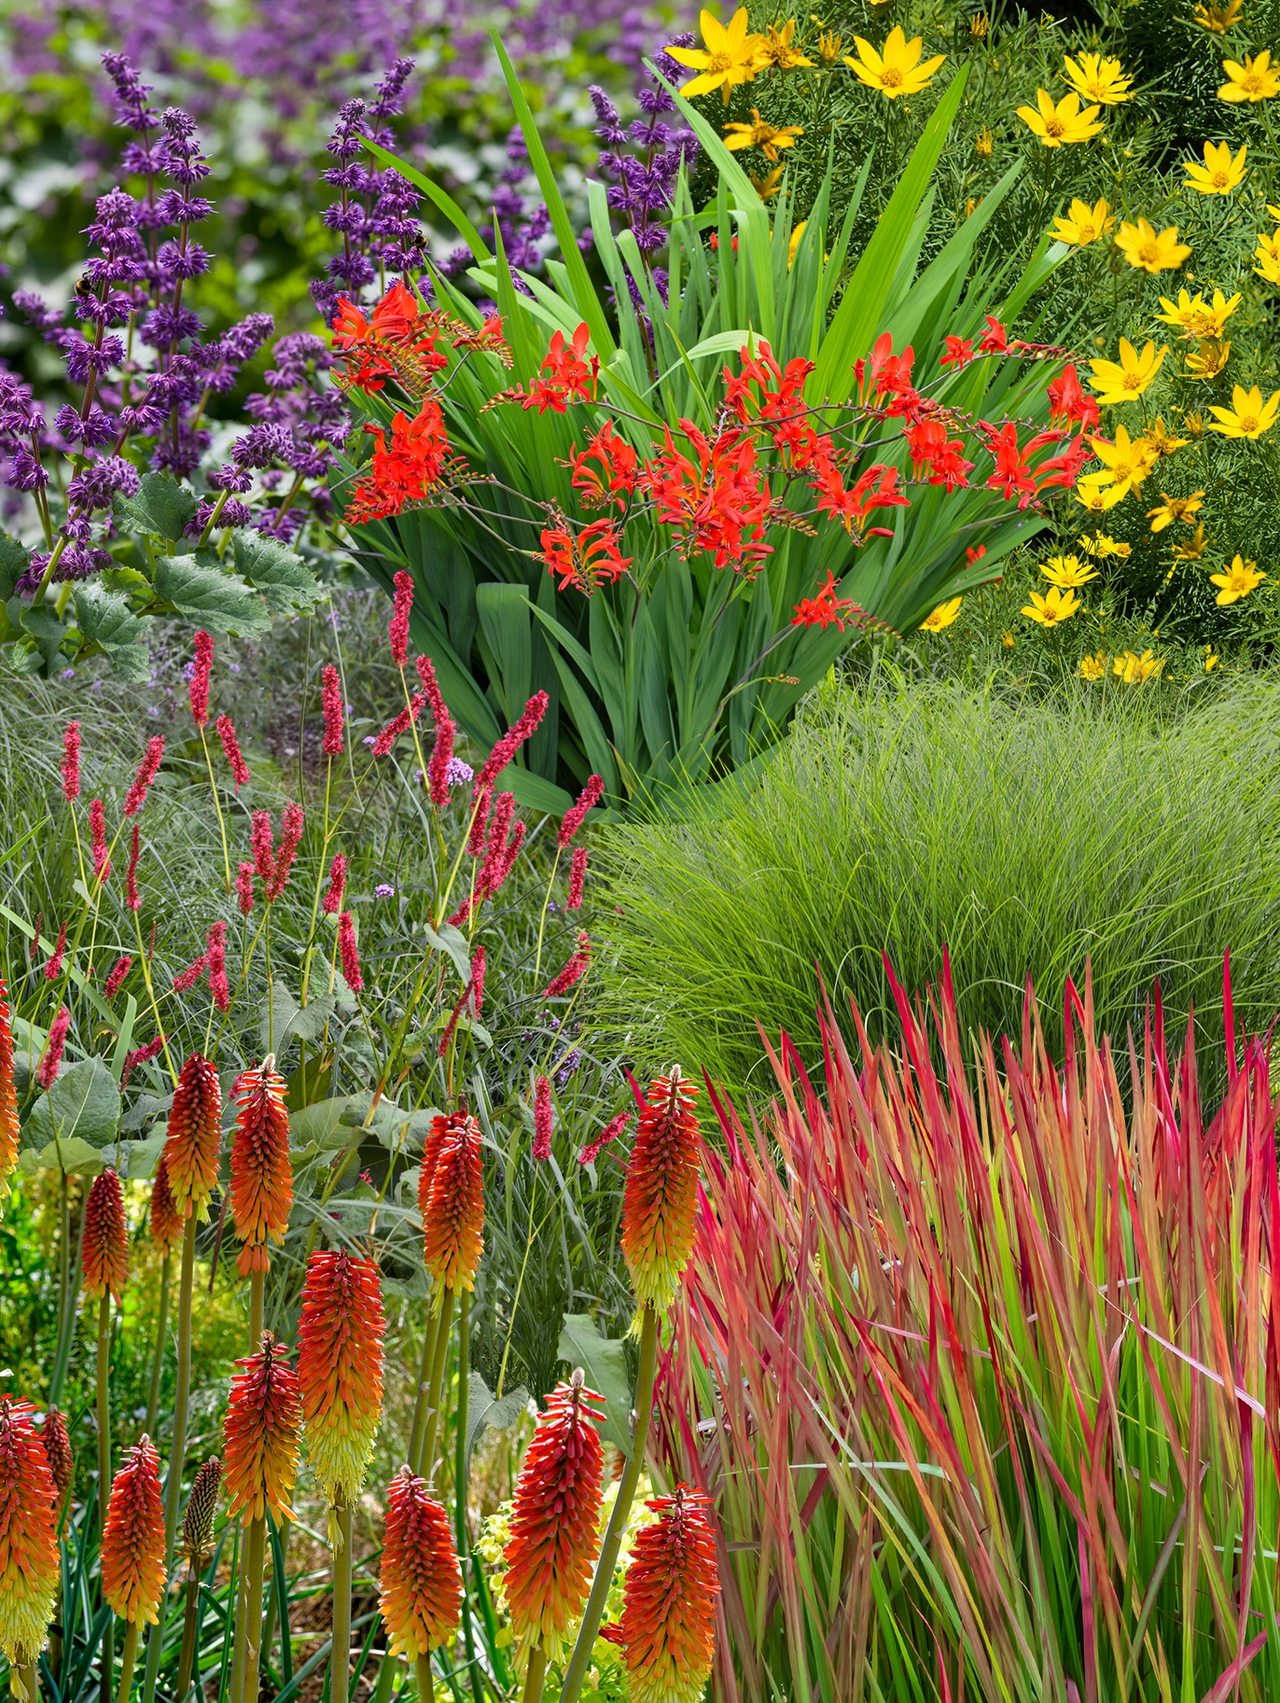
<point x="952" y="1330"/>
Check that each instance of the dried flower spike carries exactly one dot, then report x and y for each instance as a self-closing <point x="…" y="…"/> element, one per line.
<point x="661" y="1188"/>
<point x="28" y="1544"/>
<point x="195" y="1137"/>
<point x="104" y="1255"/>
<point x="8" y="1095"/>
<point x="260" y="1433"/>
<point x="451" y="1196"/>
<point x="555" y="1521"/>
<point x="421" y="1579"/>
<point x="340" y="1333"/>
<point x="197" y="1521"/>
<point x="668" y="1630"/>
<point x="133" y="1538"/>
<point x="261" y="1173"/>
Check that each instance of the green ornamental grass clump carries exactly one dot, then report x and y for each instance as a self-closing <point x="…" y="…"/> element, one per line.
<point x="1024" y="839"/>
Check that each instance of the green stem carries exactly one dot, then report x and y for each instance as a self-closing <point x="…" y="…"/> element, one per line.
<point x="70" y="1286"/>
<point x="255" y="1310"/>
<point x="190" y="1624"/>
<point x="249" y="1632"/>
<point x="104" y="1407"/>
<point x="26" y="1687"/>
<point x="576" y="1672"/>
<point x="424" y="1385"/>
<point x="127" y="1654"/>
<point x="534" y="1676"/>
<point x="157" y="1358"/>
<point x="426" y="1687"/>
<point x="425" y="1465"/>
<point x="461" y="1539"/>
<point x="177" y="1450"/>
<point x="340" y="1654"/>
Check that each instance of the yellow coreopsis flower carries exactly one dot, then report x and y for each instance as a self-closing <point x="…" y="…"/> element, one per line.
<point x="1067" y="572"/>
<point x="778" y="51"/>
<point x="1143" y="247"/>
<point x="794" y="242"/>
<point x="1099" y="498"/>
<point x="732" y="55"/>
<point x="761" y="134"/>
<point x="1211" y="659"/>
<point x="1194" y="317"/>
<point x="1248" y="416"/>
<point x="1060" y="124"/>
<point x="984" y="143"/>
<point x="1125" y="463"/>
<point x="1209" y="359"/>
<point x="979" y="24"/>
<point x="1237" y="582"/>
<point x="1095" y="78"/>
<point x="1255" y="80"/>
<point x="1084" y="224"/>
<point x="942" y="616"/>
<point x="1268" y="252"/>
<point x="1051" y="608"/>
<point x="829" y="45"/>
<point x="1194" y="547"/>
<point x="1219" y="18"/>
<point x="1175" y="508"/>
<point x="1126" y="379"/>
<point x="1133" y="670"/>
<point x="897" y="70"/>
<point x="1220" y="173"/>
<point x="1101" y="546"/>
<point x="1094" y="667"/>
<point x="1007" y="639"/>
<point x="767" y="187"/>
<point x="1160" y="441"/>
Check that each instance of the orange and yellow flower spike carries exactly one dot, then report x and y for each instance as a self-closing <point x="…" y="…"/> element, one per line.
<point x="165" y="1220"/>
<point x="133" y="1569"/>
<point x="195" y="1137"/>
<point x="452" y="1202"/>
<point x="261" y="1174"/>
<point x="28" y="1545"/>
<point x="668" y="1630"/>
<point x="260" y="1433"/>
<point x="104" y="1254"/>
<point x="421" y="1580"/>
<point x="340" y="1370"/>
<point x="661" y="1190"/>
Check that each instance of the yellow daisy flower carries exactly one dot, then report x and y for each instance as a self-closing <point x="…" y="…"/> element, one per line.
<point x="942" y="616"/>
<point x="1268" y="252"/>
<point x="1220" y="173"/>
<point x="1125" y="463"/>
<point x="767" y="187"/>
<point x="1209" y="359"/>
<point x="778" y="51"/>
<point x="1253" y="81"/>
<point x="984" y="143"/>
<point x="897" y="69"/>
<point x="829" y="45"/>
<point x="1194" y="547"/>
<point x="760" y="134"/>
<point x="1094" y="667"/>
<point x="1101" y="546"/>
<point x="1175" y="508"/>
<point x="1099" y="498"/>
<point x="1211" y="659"/>
<point x="1126" y="379"/>
<point x="1160" y="441"/>
<point x="1194" y="317"/>
<point x="1219" y="18"/>
<point x="1248" y="416"/>
<point x="1133" y="670"/>
<point x="731" y="56"/>
<point x="1067" y="572"/>
<point x="1143" y="247"/>
<point x="1237" y="582"/>
<point x="1084" y="224"/>
<point x="1051" y="608"/>
<point x="1095" y="78"/>
<point x="1056" y="125"/>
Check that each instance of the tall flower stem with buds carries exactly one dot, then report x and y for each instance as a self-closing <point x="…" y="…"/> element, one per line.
<point x="197" y="1541"/>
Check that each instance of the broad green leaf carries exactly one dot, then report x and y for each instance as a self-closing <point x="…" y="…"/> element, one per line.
<point x="46" y="632"/>
<point x="605" y="1364"/>
<point x="321" y="1126"/>
<point x="453" y="943"/>
<point x="13" y="564"/>
<point x="138" y="1159"/>
<point x="211" y="596"/>
<point x="486" y="1412"/>
<point x="77" y="1158"/>
<point x="287" y="584"/>
<point x="106" y="618"/>
<point x="84" y="1101"/>
<point x="160" y="505"/>
<point x="281" y="1019"/>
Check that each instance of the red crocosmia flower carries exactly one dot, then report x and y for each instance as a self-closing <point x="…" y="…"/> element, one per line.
<point x="195" y="1137"/>
<point x="586" y="561"/>
<point x="451" y="1199"/>
<point x="615" y="478"/>
<point x="959" y="352"/>
<point x="780" y="392"/>
<point x="971" y="555"/>
<point x="825" y="608"/>
<point x="165" y="1220"/>
<point x="567" y="375"/>
<point x="555" y="1519"/>
<point x="28" y="1542"/>
<point x="421" y="1596"/>
<point x="995" y="340"/>
<point x="662" y="1180"/>
<point x="883" y="372"/>
<point x="104" y="1252"/>
<point x="133" y="1562"/>
<point x="340" y="1332"/>
<point x="720" y="504"/>
<point x="394" y="329"/>
<point x="1014" y="474"/>
<point x="261" y="1172"/>
<point x="1069" y="402"/>
<point x="877" y="488"/>
<point x="406" y="469"/>
<point x="936" y="458"/>
<point x="8" y="1094"/>
<point x="260" y="1434"/>
<point x="489" y="337"/>
<point x="668" y="1628"/>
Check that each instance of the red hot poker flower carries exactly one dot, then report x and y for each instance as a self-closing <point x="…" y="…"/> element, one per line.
<point x="165" y="1220"/>
<point x="340" y="1333"/>
<point x="555" y="1520"/>
<point x="661" y="1188"/>
<point x="421" y="1580"/>
<point x="8" y="1094"/>
<point x="195" y="1137"/>
<point x="198" y="687"/>
<point x="452" y="1203"/>
<point x="133" y="1568"/>
<point x="71" y="761"/>
<point x="261" y="1173"/>
<point x="104" y="1249"/>
<point x="260" y="1434"/>
<point x="28" y="1544"/>
<point x="334" y="713"/>
<point x="668" y="1630"/>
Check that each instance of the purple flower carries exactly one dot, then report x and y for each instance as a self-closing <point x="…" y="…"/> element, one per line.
<point x="382" y="891"/>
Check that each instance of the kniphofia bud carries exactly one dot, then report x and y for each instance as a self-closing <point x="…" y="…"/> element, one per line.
<point x="261" y="1174"/>
<point x="340" y="1333"/>
<point x="260" y="1433"/>
<point x="28" y="1543"/>
<point x="8" y="1095"/>
<point x="165" y="1220"/>
<point x="59" y="1453"/>
<point x="133" y="1538"/>
<point x="421" y="1579"/>
<point x="195" y="1137"/>
<point x="104" y="1248"/>
<point x="661" y="1189"/>
<point x="452" y="1202"/>
<point x="555" y="1521"/>
<point x="197" y="1521"/>
<point x="668" y="1628"/>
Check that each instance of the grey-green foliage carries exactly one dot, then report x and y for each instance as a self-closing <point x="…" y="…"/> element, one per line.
<point x="1022" y="837"/>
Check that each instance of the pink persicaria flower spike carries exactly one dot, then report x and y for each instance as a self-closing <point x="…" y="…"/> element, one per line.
<point x="132" y="897"/>
<point x="260" y="1434"/>
<point x="219" y="986"/>
<point x="340" y="1331"/>
<point x="661" y="1188"/>
<point x="261" y="1172"/>
<point x="51" y="1058"/>
<point x="53" y="969"/>
<point x="71" y="761"/>
<point x="555" y="1521"/>
<point x="577" y="878"/>
<point x="403" y="607"/>
<point x="119" y="970"/>
<point x="8" y="1094"/>
<point x="98" y="840"/>
<point x="451" y="1200"/>
<point x="541" y="1119"/>
<point x="136" y="797"/>
<point x="668" y="1626"/>
<point x="28" y="1541"/>
<point x="164" y="1219"/>
<point x="573" y="971"/>
<point x="337" y="886"/>
<point x="334" y="712"/>
<point x="58" y="1452"/>
<point x="195" y="1137"/>
<point x="231" y="749"/>
<point x="291" y="825"/>
<point x="588" y="798"/>
<point x="611" y="1131"/>
<point x="198" y="686"/>
<point x="104" y="1247"/>
<point x="244" y="888"/>
<point x="421" y="1581"/>
<point x="133" y="1568"/>
<point x="348" y="957"/>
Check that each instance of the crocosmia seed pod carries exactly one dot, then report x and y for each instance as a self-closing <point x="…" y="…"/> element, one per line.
<point x="421" y="1579"/>
<point x="261" y="1174"/>
<point x="260" y="1433"/>
<point x="195" y="1137"/>
<point x="133" y="1537"/>
<point x="668" y="1627"/>
<point x="28" y="1545"/>
<point x="104" y="1253"/>
<point x="661" y="1190"/>
<point x="340" y="1370"/>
